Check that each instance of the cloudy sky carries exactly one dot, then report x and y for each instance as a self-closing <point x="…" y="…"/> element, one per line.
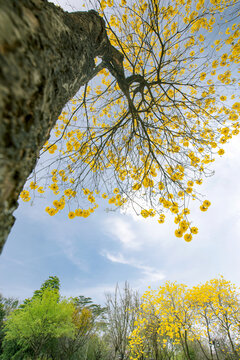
<point x="91" y="255"/>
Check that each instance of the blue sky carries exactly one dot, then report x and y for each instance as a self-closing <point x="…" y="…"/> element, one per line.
<point x="91" y="255"/>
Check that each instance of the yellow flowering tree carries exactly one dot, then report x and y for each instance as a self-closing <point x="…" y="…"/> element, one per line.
<point x="166" y="318"/>
<point x="216" y="304"/>
<point x="203" y="319"/>
<point x="146" y="129"/>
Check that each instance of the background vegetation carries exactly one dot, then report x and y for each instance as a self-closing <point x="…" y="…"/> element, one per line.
<point x="172" y="322"/>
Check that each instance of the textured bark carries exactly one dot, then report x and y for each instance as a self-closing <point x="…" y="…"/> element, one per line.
<point x="46" y="54"/>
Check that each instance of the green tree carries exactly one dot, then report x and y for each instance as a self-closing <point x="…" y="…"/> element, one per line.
<point x="39" y="321"/>
<point x="52" y="283"/>
<point x="2" y="314"/>
<point x="88" y="320"/>
<point x="97" y="310"/>
<point x="7" y="305"/>
<point x="98" y="349"/>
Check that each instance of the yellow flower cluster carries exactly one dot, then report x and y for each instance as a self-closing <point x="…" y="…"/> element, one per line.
<point x="205" y="205"/>
<point x="25" y="196"/>
<point x="199" y="314"/>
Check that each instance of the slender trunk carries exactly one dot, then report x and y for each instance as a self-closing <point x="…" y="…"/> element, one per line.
<point x="227" y="326"/>
<point x="232" y="344"/>
<point x="209" y="336"/>
<point x="186" y="344"/>
<point x="203" y="351"/>
<point x="183" y="347"/>
<point x="46" y="55"/>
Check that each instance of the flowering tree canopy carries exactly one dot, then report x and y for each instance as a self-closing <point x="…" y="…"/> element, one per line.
<point x="158" y="110"/>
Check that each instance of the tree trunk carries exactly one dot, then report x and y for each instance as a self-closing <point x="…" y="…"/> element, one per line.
<point x="46" y="54"/>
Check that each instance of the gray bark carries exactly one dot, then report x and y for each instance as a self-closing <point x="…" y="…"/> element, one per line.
<point x="46" y="54"/>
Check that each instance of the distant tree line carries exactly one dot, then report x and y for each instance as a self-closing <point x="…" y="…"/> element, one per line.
<point x="171" y="323"/>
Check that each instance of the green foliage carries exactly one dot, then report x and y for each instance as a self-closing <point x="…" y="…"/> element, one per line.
<point x="45" y="326"/>
<point x="14" y="351"/>
<point x="40" y="320"/>
<point x="52" y="283"/>
<point x="160" y="326"/>
<point x="98" y="312"/>
<point x="2" y="313"/>
<point x="7" y="305"/>
<point x="86" y="302"/>
<point x="97" y="349"/>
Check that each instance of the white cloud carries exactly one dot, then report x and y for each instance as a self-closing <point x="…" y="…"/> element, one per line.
<point x="121" y="230"/>
<point x="116" y="258"/>
<point x="148" y="274"/>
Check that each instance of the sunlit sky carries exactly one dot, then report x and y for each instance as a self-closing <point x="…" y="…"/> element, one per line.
<point x="91" y="255"/>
